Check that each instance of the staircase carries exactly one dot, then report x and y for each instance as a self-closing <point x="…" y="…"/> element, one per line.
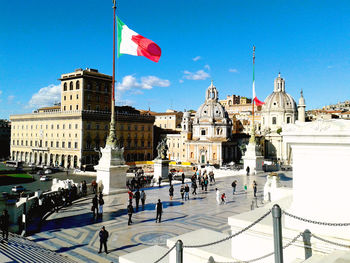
<point x="20" y="249"/>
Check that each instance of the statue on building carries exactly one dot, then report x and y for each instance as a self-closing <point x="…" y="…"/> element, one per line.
<point x="162" y="149"/>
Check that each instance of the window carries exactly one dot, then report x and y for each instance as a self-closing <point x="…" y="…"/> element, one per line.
<point x="89" y="107"/>
<point x="76" y="107"/>
<point x="273" y="120"/>
<point x="69" y="144"/>
<point x="77" y="85"/>
<point x="63" y="144"/>
<point x="88" y="126"/>
<point x="75" y="145"/>
<point x="88" y="97"/>
<point x="70" y="107"/>
<point x="57" y="145"/>
<point x="288" y="119"/>
<point x="135" y="127"/>
<point x="77" y="96"/>
<point x="65" y="87"/>
<point x="45" y="144"/>
<point x="70" y="97"/>
<point x="71" y="85"/>
<point x="97" y="107"/>
<point x="64" y="107"/>
<point x="64" y="126"/>
<point x="64" y="97"/>
<point x="97" y="126"/>
<point x="98" y="98"/>
<point x="51" y="144"/>
<point x="58" y="126"/>
<point x="202" y="132"/>
<point x="88" y="86"/>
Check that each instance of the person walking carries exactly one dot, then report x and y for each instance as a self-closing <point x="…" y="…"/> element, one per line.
<point x="255" y="187"/>
<point x="170" y="177"/>
<point x="101" y="202"/>
<point x="187" y="192"/>
<point x="182" y="192"/>
<point x="194" y="186"/>
<point x="248" y="170"/>
<point x="159" y="208"/>
<point x="202" y="183"/>
<point x="4" y="224"/>
<point x="131" y="195"/>
<point x="159" y="180"/>
<point x="94" y="207"/>
<point x="103" y="239"/>
<point x="217" y="196"/>
<point x="206" y="183"/>
<point x="143" y="198"/>
<point x="137" y="197"/>
<point x="245" y="188"/>
<point x="130" y="212"/>
<point x="234" y="185"/>
<point x="223" y="198"/>
<point x="183" y="178"/>
<point x="171" y="192"/>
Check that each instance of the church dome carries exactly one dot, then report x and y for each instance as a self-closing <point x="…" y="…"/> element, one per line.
<point x="211" y="110"/>
<point x="279" y="100"/>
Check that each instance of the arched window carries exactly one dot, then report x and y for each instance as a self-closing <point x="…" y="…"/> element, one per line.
<point x="274" y="120"/>
<point x="71" y="85"/>
<point x="77" y="85"/>
<point x="65" y="86"/>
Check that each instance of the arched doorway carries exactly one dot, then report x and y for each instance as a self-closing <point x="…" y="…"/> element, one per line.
<point x="75" y="161"/>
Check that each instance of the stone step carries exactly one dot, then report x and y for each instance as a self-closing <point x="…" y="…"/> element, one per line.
<point x="335" y="257"/>
<point x="20" y="249"/>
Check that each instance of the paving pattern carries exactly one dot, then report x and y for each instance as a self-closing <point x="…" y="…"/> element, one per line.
<point x="73" y="231"/>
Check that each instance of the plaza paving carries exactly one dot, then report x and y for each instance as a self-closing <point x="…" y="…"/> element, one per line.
<point x="73" y="231"/>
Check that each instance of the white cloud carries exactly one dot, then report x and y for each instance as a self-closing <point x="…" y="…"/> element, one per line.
<point x="196" y="58"/>
<point x="207" y="67"/>
<point x="130" y="82"/>
<point x="198" y="75"/>
<point x="233" y="70"/>
<point x="10" y="98"/>
<point x="46" y="96"/>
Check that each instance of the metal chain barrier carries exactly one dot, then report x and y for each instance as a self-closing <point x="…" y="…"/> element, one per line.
<point x="231" y="236"/>
<point x="330" y="242"/>
<point x="267" y="255"/>
<point x="158" y="260"/>
<point x="313" y="221"/>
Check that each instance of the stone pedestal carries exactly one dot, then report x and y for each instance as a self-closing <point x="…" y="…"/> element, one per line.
<point x="161" y="169"/>
<point x="321" y="155"/>
<point x="253" y="158"/>
<point x="111" y="171"/>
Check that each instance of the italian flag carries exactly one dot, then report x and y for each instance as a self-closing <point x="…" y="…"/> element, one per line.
<point x="255" y="98"/>
<point x="131" y="43"/>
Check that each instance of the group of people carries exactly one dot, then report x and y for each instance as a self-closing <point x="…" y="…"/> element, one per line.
<point x="97" y="206"/>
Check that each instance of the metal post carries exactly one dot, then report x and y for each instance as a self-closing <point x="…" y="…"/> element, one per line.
<point x="277" y="233"/>
<point x="179" y="251"/>
<point x="211" y="260"/>
<point x="307" y="243"/>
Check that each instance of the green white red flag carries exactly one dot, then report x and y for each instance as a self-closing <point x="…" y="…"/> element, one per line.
<point x="255" y="98"/>
<point x="132" y="43"/>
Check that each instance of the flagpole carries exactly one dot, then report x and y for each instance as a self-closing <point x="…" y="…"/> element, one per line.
<point x="112" y="140"/>
<point x="252" y="134"/>
<point x="253" y="79"/>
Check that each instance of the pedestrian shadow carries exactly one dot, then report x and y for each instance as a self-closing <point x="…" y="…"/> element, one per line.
<point x="65" y="249"/>
<point x="124" y="247"/>
<point x="285" y="178"/>
<point x="173" y="219"/>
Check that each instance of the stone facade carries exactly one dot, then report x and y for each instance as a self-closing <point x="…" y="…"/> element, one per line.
<point x="206" y="136"/>
<point x="71" y="138"/>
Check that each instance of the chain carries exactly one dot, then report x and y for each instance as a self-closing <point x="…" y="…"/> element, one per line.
<point x="231" y="236"/>
<point x="158" y="260"/>
<point x="267" y="255"/>
<point x="314" y="222"/>
<point x="330" y="242"/>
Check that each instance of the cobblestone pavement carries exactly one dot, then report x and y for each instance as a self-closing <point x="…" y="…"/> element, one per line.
<point x="74" y="232"/>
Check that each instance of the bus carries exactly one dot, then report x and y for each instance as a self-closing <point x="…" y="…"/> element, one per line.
<point x="15" y="164"/>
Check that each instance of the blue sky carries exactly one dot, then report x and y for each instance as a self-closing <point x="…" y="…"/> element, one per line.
<point x="307" y="41"/>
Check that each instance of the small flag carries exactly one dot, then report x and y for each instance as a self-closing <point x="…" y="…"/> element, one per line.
<point x="131" y="43"/>
<point x="255" y="98"/>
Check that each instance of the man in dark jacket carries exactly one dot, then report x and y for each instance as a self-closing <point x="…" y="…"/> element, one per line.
<point x="103" y="239"/>
<point x="4" y="223"/>
<point x="137" y="198"/>
<point x="159" y="209"/>
<point x="94" y="206"/>
<point x="183" y="178"/>
<point x="170" y="177"/>
<point x="130" y="212"/>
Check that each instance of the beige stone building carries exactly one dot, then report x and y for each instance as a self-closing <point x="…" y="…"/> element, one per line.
<point x="170" y="119"/>
<point x="206" y="137"/>
<point x="71" y="134"/>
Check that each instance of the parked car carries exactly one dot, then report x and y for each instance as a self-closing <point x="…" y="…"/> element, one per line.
<point x="18" y="189"/>
<point x="45" y="178"/>
<point x="48" y="171"/>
